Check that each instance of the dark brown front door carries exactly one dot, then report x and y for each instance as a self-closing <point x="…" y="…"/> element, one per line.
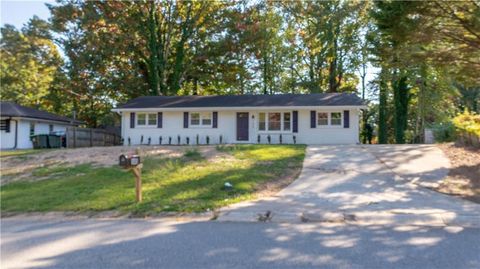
<point x="242" y="126"/>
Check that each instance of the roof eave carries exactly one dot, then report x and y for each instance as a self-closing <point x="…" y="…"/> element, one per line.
<point x="236" y="108"/>
<point x="66" y="122"/>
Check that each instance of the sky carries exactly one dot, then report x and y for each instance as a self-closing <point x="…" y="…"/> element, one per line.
<point x="19" y="12"/>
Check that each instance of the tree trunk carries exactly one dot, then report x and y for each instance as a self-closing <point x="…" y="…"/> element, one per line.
<point x="420" y="123"/>
<point x="382" y="109"/>
<point x="195" y="86"/>
<point x="333" y="68"/>
<point x="400" y="97"/>
<point x="153" y="78"/>
<point x="265" y="89"/>
<point x="332" y="75"/>
<point x="363" y="74"/>
<point x="178" y="68"/>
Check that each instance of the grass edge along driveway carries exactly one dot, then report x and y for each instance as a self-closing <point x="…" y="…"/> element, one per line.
<point x="186" y="184"/>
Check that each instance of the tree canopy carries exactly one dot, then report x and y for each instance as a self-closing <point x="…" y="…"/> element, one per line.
<point x="91" y="55"/>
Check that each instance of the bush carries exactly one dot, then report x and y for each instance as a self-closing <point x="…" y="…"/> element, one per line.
<point x="467" y="126"/>
<point x="444" y="132"/>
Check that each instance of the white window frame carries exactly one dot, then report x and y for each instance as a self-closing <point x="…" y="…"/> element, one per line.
<point x="282" y="122"/>
<point x="201" y="118"/>
<point x="147" y="117"/>
<point x="329" y="121"/>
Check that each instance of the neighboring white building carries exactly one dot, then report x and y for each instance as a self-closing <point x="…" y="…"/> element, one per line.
<point x="329" y="118"/>
<point x="18" y="123"/>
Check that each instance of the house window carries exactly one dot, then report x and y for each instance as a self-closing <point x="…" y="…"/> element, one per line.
<point x="32" y="128"/>
<point x="206" y="118"/>
<point x="335" y="118"/>
<point x="201" y="119"/>
<point x="322" y="118"/>
<point x="147" y="119"/>
<point x="195" y="119"/>
<point x="141" y="119"/>
<point x="152" y="119"/>
<point x="274" y="121"/>
<point x="261" y="122"/>
<point x="50" y="128"/>
<point x="286" y="121"/>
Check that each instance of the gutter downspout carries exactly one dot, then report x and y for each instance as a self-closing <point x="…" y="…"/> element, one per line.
<point x="16" y="133"/>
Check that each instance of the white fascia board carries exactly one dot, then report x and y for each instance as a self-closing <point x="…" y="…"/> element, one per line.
<point x="254" y="108"/>
<point x="42" y="121"/>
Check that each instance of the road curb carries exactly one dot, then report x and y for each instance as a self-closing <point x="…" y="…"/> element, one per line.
<point x="356" y="218"/>
<point x="109" y="215"/>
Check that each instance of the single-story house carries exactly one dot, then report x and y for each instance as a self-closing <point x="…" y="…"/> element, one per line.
<point x="18" y="123"/>
<point x="324" y="118"/>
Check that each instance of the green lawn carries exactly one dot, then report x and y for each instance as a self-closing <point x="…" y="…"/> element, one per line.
<point x="186" y="184"/>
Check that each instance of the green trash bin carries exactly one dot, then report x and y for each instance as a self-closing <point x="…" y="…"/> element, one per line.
<point x="54" y="141"/>
<point x="35" y="141"/>
<point x="39" y="141"/>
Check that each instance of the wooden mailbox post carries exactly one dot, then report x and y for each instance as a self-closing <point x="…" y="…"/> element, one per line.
<point x="133" y="162"/>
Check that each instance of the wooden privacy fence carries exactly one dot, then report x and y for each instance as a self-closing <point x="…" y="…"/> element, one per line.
<point x="89" y="137"/>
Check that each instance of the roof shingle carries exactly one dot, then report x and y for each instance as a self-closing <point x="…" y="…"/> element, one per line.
<point x="317" y="99"/>
<point x="10" y="109"/>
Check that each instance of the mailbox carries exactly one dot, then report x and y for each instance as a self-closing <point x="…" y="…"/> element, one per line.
<point x="128" y="161"/>
<point x="133" y="163"/>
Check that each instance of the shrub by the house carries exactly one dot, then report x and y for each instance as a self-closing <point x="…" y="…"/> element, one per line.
<point x="467" y="126"/>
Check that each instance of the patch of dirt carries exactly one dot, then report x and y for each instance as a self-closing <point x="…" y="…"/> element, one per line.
<point x="212" y="154"/>
<point x="464" y="176"/>
<point x="15" y="168"/>
<point x="271" y="188"/>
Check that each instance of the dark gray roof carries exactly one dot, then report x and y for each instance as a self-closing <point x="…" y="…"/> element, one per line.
<point x="10" y="109"/>
<point x="317" y="99"/>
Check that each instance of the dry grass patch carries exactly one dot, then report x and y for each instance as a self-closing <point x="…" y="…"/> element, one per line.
<point x="464" y="176"/>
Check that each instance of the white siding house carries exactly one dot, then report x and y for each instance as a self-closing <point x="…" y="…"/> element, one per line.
<point x="293" y="118"/>
<point x="18" y="123"/>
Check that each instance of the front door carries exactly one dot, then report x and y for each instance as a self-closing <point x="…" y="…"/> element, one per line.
<point x="242" y="126"/>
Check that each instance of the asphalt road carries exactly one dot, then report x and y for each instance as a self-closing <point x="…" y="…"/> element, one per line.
<point x="133" y="243"/>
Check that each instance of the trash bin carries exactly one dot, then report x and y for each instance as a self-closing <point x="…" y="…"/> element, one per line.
<point x="39" y="141"/>
<point x="54" y="141"/>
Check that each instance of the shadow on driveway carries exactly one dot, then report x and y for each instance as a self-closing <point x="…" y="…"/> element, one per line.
<point x="371" y="184"/>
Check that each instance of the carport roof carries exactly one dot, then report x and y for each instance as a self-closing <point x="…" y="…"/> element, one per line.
<point x="275" y="100"/>
<point x="11" y="109"/>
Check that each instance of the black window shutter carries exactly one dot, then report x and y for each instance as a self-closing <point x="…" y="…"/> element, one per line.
<point x="7" y="127"/>
<point x="159" y="120"/>
<point x="185" y="119"/>
<point x="313" y="119"/>
<point x="132" y="120"/>
<point x="346" y="119"/>
<point x="295" y="122"/>
<point x="215" y="120"/>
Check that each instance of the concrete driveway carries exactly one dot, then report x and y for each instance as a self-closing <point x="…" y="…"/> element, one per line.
<point x="377" y="184"/>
